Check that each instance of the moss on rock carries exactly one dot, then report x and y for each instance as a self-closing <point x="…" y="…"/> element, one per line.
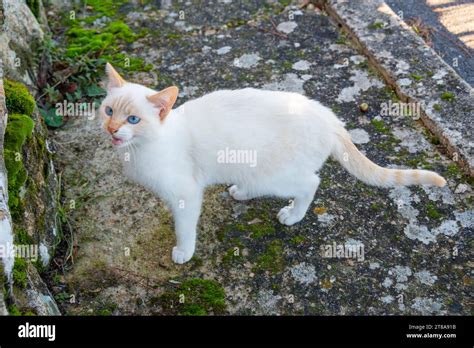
<point x="18" y="99"/>
<point x="19" y="128"/>
<point x="195" y="297"/>
<point x="19" y="273"/>
<point x="272" y="259"/>
<point x="34" y="6"/>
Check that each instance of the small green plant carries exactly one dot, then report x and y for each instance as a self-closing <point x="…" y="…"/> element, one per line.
<point x="447" y="96"/>
<point x="376" y="25"/>
<point x="341" y="40"/>
<point x="19" y="273"/>
<point x="34" y="6"/>
<point x="416" y="77"/>
<point x="79" y="60"/>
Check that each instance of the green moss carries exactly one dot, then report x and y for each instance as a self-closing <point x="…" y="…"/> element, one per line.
<point x="416" y="77"/>
<point x="380" y="126"/>
<point x="447" y="96"/>
<point x="104" y="8"/>
<point x="363" y="65"/>
<point x="19" y="272"/>
<point x="388" y="144"/>
<point x="287" y="65"/>
<point x="437" y="107"/>
<point x="272" y="259"/>
<point x="231" y="255"/>
<point x="84" y="40"/>
<point x="34" y="6"/>
<point x="223" y="232"/>
<point x="336" y="109"/>
<point x="106" y="309"/>
<point x="453" y="171"/>
<point x="18" y="99"/>
<point x="259" y="229"/>
<point x="19" y="128"/>
<point x="195" y="297"/>
<point x="420" y="161"/>
<point x="22" y="237"/>
<point x="376" y="25"/>
<point x="235" y="23"/>
<point x="433" y="139"/>
<point x="375" y="207"/>
<point x="391" y="93"/>
<point x="174" y="36"/>
<point x="13" y="310"/>
<point x="124" y="62"/>
<point x="341" y="40"/>
<point x="432" y="212"/>
<point x="121" y="31"/>
<point x="297" y="240"/>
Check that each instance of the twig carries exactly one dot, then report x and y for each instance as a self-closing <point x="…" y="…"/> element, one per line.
<point x="276" y="33"/>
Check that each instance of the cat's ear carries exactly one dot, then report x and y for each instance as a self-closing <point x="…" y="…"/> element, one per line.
<point x="164" y="100"/>
<point x="115" y="80"/>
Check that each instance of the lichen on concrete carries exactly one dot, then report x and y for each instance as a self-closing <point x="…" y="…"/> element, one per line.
<point x="125" y="234"/>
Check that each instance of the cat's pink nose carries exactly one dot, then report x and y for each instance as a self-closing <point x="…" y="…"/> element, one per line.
<point x="112" y="130"/>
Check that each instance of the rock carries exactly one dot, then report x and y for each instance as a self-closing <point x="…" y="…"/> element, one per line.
<point x="247" y="61"/>
<point x="38" y="295"/>
<point x="461" y="188"/>
<point x="287" y="27"/>
<point x="302" y="65"/>
<point x="18" y="39"/>
<point x="34" y="214"/>
<point x="359" y="136"/>
<point x="3" y="307"/>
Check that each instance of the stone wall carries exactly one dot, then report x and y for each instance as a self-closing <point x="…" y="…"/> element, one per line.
<point x="28" y="183"/>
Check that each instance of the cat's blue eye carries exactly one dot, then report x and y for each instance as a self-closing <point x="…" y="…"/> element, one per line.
<point x="133" y="119"/>
<point x="108" y="111"/>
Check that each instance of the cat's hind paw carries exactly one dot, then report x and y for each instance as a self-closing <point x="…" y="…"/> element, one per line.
<point x="237" y="194"/>
<point x="287" y="216"/>
<point x="179" y="256"/>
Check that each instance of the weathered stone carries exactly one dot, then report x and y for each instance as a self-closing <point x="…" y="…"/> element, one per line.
<point x="390" y="47"/>
<point x="18" y="39"/>
<point x="124" y="233"/>
<point x="36" y="219"/>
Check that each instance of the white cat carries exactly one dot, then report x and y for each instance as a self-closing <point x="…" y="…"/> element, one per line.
<point x="177" y="153"/>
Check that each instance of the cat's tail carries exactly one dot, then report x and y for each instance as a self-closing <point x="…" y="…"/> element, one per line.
<point x="367" y="171"/>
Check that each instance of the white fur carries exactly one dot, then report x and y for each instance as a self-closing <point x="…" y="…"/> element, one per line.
<point x="291" y="135"/>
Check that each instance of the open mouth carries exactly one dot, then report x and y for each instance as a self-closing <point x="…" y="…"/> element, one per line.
<point x="116" y="141"/>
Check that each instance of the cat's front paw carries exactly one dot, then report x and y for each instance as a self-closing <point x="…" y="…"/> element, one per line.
<point x="238" y="194"/>
<point x="181" y="256"/>
<point x="287" y="216"/>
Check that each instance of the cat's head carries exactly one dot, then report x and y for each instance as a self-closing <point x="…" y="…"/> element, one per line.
<point x="132" y="112"/>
